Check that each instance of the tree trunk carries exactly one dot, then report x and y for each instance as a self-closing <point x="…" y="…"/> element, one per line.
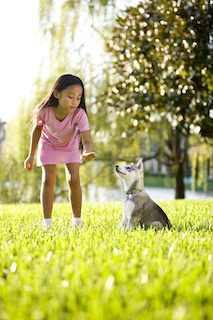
<point x="177" y="147"/>
<point x="179" y="181"/>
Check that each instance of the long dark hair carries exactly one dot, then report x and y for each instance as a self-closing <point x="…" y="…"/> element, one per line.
<point x="61" y="84"/>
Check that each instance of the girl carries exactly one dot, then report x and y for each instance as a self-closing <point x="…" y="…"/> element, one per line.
<point x="61" y="126"/>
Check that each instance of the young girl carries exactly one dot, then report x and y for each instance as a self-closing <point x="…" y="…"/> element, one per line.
<point x="61" y="126"/>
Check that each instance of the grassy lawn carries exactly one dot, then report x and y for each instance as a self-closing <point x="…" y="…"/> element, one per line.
<point x="99" y="273"/>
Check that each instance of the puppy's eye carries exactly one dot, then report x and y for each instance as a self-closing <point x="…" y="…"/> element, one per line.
<point x="128" y="168"/>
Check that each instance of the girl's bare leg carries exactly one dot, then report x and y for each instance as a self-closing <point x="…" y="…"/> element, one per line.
<point x="75" y="194"/>
<point x="47" y="189"/>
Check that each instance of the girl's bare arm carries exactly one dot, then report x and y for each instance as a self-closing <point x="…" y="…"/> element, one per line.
<point x="88" y="153"/>
<point x="35" y="136"/>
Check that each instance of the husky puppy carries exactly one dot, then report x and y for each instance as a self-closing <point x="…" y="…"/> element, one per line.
<point x="138" y="208"/>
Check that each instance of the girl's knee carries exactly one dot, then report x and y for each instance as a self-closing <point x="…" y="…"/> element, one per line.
<point x="73" y="180"/>
<point x="48" y="178"/>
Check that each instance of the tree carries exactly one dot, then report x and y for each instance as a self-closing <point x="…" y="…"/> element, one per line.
<point x="163" y="71"/>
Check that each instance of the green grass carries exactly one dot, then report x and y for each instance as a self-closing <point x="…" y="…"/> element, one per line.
<point x="99" y="273"/>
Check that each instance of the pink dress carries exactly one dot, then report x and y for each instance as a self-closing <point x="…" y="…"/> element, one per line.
<point x="59" y="141"/>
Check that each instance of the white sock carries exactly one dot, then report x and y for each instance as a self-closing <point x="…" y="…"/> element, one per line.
<point x="76" y="221"/>
<point x="47" y="222"/>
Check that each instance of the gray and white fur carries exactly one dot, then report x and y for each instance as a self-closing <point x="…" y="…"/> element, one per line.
<point x="139" y="208"/>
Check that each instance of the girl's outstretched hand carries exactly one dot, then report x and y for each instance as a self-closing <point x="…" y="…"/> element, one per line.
<point x="87" y="156"/>
<point x="28" y="163"/>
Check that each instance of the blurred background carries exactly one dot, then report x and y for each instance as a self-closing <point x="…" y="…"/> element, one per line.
<point x="148" y="75"/>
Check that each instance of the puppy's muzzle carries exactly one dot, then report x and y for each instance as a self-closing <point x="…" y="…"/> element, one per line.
<point x="118" y="171"/>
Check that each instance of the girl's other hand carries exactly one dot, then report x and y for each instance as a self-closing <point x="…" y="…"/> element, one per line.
<point x="28" y="163"/>
<point x="87" y="156"/>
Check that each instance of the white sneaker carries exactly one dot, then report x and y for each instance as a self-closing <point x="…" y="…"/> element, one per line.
<point x="82" y="224"/>
<point x="45" y="227"/>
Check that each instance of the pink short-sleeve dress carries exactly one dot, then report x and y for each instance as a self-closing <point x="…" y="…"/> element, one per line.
<point x="59" y="141"/>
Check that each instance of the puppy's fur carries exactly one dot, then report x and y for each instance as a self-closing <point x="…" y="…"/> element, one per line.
<point x="138" y="208"/>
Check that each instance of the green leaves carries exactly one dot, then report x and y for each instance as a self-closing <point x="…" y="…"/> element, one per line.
<point x="163" y="59"/>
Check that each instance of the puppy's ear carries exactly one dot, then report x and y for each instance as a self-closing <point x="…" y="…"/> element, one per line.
<point x="140" y="164"/>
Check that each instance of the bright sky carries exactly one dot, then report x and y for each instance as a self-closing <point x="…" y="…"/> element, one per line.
<point x="20" y="53"/>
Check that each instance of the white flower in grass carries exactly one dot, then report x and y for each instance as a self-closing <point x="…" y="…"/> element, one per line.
<point x="65" y="284"/>
<point x="144" y="278"/>
<point x="13" y="267"/>
<point x="109" y="283"/>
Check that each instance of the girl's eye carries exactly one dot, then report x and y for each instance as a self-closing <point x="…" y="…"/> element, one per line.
<point x="73" y="97"/>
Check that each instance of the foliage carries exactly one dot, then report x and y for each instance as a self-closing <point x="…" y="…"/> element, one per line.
<point x="98" y="272"/>
<point x="15" y="184"/>
<point x="156" y="73"/>
<point x="72" y="28"/>
<point x="18" y="185"/>
<point x="201" y="155"/>
<point x="162" y="55"/>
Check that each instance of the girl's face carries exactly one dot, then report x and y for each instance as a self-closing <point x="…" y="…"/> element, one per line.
<point x="69" y="98"/>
